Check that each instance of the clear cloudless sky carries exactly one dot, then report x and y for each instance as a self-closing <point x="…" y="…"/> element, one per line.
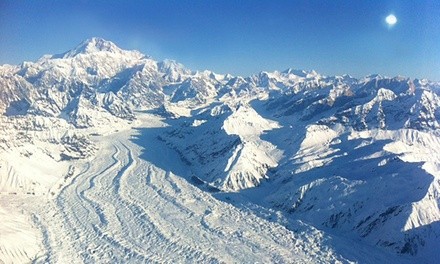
<point x="241" y="37"/>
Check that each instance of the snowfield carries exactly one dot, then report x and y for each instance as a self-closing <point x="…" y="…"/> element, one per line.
<point x="108" y="156"/>
<point x="132" y="202"/>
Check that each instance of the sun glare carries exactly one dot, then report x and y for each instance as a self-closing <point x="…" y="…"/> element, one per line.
<point x="391" y="20"/>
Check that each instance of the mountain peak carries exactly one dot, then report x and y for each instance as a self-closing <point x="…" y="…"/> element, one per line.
<point x="300" y="73"/>
<point x="99" y="44"/>
<point x="89" y="46"/>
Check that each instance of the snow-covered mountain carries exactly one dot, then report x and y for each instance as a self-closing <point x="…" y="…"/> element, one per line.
<point x="357" y="158"/>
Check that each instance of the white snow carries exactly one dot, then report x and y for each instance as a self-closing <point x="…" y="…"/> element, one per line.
<point x="109" y="156"/>
<point x="134" y="203"/>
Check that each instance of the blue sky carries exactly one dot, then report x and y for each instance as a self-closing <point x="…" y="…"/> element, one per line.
<point x="239" y="37"/>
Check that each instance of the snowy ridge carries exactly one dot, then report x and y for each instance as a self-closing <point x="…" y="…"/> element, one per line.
<point x="303" y="166"/>
<point x="92" y="46"/>
<point x="224" y="147"/>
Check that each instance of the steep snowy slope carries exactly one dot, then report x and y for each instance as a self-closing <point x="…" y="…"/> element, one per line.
<point x="357" y="158"/>
<point x="96" y="85"/>
<point x="223" y="147"/>
<point x="361" y="161"/>
<point x="97" y="78"/>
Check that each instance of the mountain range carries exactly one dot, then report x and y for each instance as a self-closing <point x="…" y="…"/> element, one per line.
<point x="356" y="158"/>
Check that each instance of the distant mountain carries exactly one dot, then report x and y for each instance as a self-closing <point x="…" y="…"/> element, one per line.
<point x="357" y="156"/>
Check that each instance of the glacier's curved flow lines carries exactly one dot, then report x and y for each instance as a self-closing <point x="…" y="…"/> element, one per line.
<point x="122" y="208"/>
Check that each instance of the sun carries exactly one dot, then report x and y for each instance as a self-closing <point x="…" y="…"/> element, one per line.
<point x="391" y="20"/>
